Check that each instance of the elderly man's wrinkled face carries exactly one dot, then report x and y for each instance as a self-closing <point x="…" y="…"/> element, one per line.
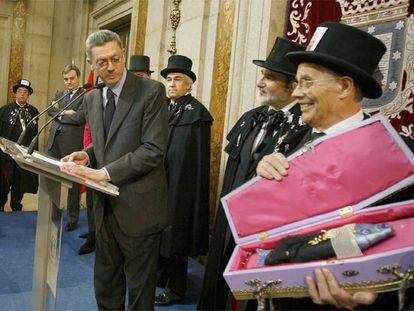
<point x="273" y="89"/>
<point x="22" y="95"/>
<point x="317" y="93"/>
<point x="177" y="85"/>
<point x="71" y="80"/>
<point x="109" y="60"/>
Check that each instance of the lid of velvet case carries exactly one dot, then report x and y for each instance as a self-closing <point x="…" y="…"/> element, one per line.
<point x="333" y="177"/>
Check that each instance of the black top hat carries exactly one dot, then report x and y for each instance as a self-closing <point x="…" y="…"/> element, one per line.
<point x="346" y="50"/>
<point x="23" y="83"/>
<point x="139" y="63"/>
<point x="181" y="64"/>
<point x="277" y="61"/>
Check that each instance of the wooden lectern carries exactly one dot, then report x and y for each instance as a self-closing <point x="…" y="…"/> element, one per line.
<point x="53" y="195"/>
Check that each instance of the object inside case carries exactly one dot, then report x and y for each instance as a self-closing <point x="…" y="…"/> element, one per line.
<point x="400" y="217"/>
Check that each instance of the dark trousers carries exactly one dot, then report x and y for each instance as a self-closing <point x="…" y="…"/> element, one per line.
<point x="74" y="193"/>
<point x="174" y="271"/>
<point x="91" y="215"/>
<point x="13" y="185"/>
<point x="123" y="262"/>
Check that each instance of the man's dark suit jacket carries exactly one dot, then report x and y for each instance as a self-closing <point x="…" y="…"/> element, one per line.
<point x="133" y="155"/>
<point x="70" y="129"/>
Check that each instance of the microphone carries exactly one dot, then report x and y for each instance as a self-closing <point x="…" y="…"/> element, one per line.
<point x="84" y="91"/>
<point x="23" y="133"/>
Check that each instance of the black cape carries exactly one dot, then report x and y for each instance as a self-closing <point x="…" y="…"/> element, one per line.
<point x="10" y="128"/>
<point x="215" y="292"/>
<point x="187" y="165"/>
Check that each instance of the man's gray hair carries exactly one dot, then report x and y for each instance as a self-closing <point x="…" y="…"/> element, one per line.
<point x="100" y="38"/>
<point x="189" y="82"/>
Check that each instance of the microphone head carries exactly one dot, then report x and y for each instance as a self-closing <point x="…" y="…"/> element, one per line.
<point x="99" y="86"/>
<point x="86" y="86"/>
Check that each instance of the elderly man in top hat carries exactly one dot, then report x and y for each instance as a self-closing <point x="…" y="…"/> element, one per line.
<point x="13" y="120"/>
<point x="258" y="132"/>
<point x="140" y="66"/>
<point x="187" y="165"/>
<point x="334" y="74"/>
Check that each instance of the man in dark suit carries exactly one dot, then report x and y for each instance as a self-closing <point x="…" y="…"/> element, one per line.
<point x="66" y="135"/>
<point x="187" y="164"/>
<point x="140" y="66"/>
<point x="129" y="128"/>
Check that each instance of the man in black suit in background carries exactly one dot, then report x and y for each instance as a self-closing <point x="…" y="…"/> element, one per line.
<point x="140" y="66"/>
<point x="129" y="128"/>
<point x="66" y="135"/>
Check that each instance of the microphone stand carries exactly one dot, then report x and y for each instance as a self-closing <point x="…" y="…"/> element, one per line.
<point x="35" y="139"/>
<point x="23" y="133"/>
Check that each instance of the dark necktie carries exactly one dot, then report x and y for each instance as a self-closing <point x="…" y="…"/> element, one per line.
<point x="274" y="119"/>
<point x="68" y="96"/>
<point x="109" y="111"/>
<point x="171" y="106"/>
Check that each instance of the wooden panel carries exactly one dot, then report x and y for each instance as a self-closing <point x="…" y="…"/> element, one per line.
<point x="222" y="57"/>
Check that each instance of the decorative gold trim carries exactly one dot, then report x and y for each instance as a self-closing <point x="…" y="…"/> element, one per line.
<point x="263" y="235"/>
<point x="385" y="15"/>
<point x="219" y="88"/>
<point x="349" y="273"/>
<point x="368" y="12"/>
<point x="380" y="286"/>
<point x="351" y="7"/>
<point x="175" y="16"/>
<point x="17" y="47"/>
<point x="141" y="27"/>
<point x="346" y="211"/>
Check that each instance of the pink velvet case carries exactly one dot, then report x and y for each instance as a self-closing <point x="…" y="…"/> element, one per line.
<point x="330" y="183"/>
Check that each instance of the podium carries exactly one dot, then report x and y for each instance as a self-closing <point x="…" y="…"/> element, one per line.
<point x="53" y="195"/>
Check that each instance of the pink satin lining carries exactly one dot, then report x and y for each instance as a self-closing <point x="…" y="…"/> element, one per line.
<point x="401" y="218"/>
<point x="342" y="171"/>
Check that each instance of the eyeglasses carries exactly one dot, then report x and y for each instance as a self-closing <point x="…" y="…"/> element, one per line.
<point x="305" y="85"/>
<point x="104" y="63"/>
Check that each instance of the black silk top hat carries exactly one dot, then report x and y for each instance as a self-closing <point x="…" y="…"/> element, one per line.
<point x="181" y="64"/>
<point x="139" y="63"/>
<point x="277" y="61"/>
<point x="346" y="50"/>
<point x="23" y="83"/>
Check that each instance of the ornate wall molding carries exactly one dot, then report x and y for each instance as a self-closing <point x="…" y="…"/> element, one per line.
<point x="175" y="16"/>
<point x="17" y="46"/>
<point x="141" y="27"/>
<point x="366" y="12"/>
<point x="362" y="6"/>
<point x="387" y="20"/>
<point x="109" y="13"/>
<point x="224" y="39"/>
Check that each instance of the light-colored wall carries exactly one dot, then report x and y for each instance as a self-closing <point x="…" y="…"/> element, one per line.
<point x="256" y="31"/>
<point x="256" y="26"/>
<point x="38" y="52"/>
<point x="195" y="38"/>
<point x="6" y="20"/>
